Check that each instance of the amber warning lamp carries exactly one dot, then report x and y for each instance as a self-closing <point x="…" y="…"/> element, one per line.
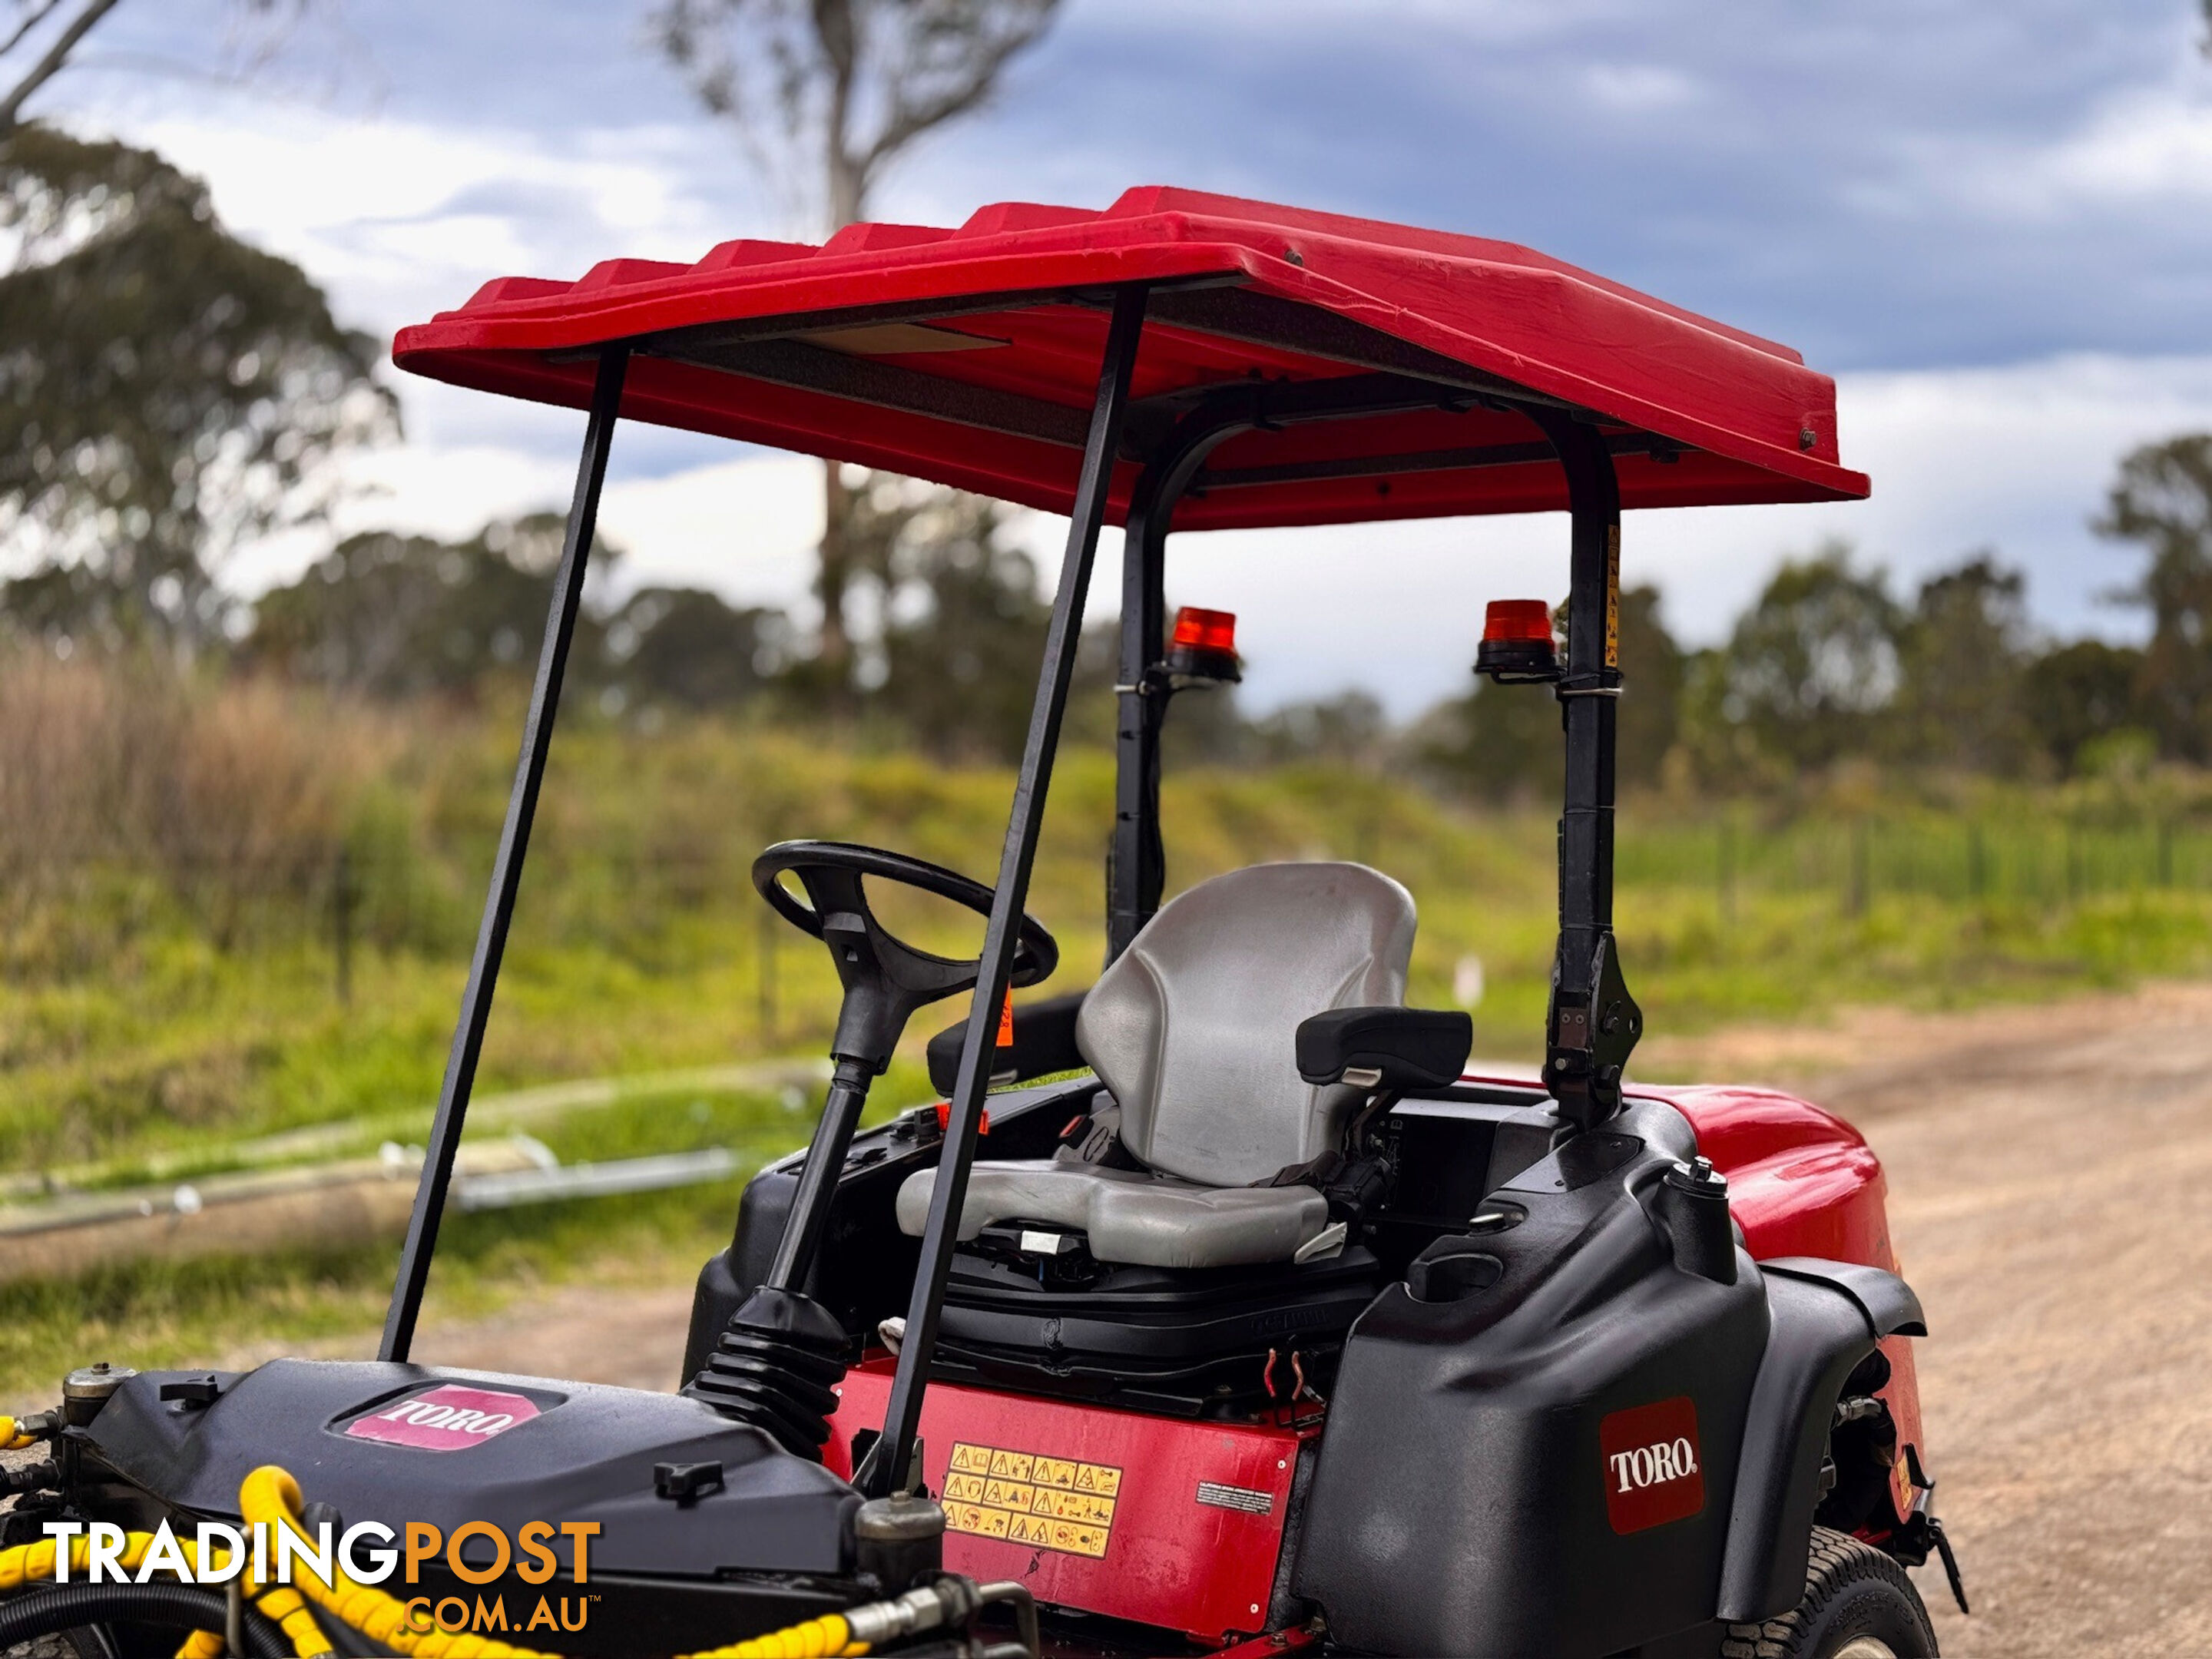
<point x="1516" y="642"/>
<point x="1204" y="646"/>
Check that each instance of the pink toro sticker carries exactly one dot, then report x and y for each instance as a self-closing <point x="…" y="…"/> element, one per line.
<point x="448" y="1418"/>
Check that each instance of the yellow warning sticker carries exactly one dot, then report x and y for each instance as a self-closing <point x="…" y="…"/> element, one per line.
<point x="1025" y="1497"/>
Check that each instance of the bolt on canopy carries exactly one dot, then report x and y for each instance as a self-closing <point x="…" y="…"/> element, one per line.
<point x="1393" y="371"/>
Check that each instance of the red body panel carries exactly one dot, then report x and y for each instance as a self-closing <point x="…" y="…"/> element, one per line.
<point x="1187" y="1544"/>
<point x="1758" y="425"/>
<point x="1804" y="1182"/>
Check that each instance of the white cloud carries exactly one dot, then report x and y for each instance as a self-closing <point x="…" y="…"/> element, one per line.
<point x="399" y="218"/>
<point x="2137" y="150"/>
<point x="2152" y="145"/>
<point x="1639" y="88"/>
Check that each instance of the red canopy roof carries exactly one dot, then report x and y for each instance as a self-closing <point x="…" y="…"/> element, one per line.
<point x="970" y="357"/>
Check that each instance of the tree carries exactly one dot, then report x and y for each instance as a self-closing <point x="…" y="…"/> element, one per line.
<point x="390" y="615"/>
<point x="1811" y="667"/>
<point x="1350" y="730"/>
<point x="1963" y="658"/>
<point x="2076" y="694"/>
<point x="963" y="626"/>
<point x="399" y="616"/>
<point x="686" y="648"/>
<point x="2162" y="500"/>
<point x="167" y="392"/>
<point x="1652" y="668"/>
<point x="46" y="36"/>
<point x="835" y="90"/>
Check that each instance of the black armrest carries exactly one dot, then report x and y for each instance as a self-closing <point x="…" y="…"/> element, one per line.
<point x="1044" y="1042"/>
<point x="1386" y="1048"/>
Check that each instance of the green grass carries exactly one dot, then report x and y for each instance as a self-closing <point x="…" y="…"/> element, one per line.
<point x="129" y="1034"/>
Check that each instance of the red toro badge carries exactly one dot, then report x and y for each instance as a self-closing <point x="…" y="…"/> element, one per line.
<point x="1653" y="1470"/>
<point x="449" y="1418"/>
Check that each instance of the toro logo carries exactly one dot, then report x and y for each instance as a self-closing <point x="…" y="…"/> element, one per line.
<point x="1653" y="1471"/>
<point x="448" y="1418"/>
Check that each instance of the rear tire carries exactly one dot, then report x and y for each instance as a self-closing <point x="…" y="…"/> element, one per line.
<point x="1858" y="1605"/>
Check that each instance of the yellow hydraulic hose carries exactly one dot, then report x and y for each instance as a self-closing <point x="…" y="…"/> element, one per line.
<point x="270" y="1496"/>
<point x="32" y="1564"/>
<point x="817" y="1638"/>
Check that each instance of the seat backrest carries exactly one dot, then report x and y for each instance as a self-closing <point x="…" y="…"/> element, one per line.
<point x="1194" y="1026"/>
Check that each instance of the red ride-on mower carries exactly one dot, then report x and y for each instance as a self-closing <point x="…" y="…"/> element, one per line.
<point x="1257" y="1324"/>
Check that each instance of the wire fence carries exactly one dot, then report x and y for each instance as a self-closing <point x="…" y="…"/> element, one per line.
<point x="2027" y="857"/>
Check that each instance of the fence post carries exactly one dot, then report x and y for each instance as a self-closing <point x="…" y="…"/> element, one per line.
<point x="2072" y="861"/>
<point x="1977" y="862"/>
<point x="1855" y="900"/>
<point x="342" y="904"/>
<point x="1727" y="868"/>
<point x="2165" y="851"/>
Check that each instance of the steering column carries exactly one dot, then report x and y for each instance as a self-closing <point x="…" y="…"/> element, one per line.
<point x="782" y="1353"/>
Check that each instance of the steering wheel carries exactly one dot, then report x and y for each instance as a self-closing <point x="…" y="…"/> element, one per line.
<point x="886" y="979"/>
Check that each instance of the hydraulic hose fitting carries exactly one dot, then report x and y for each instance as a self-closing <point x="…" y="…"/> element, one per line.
<point x="17" y="1432"/>
<point x="88" y="1388"/>
<point x="898" y="1538"/>
<point x="942" y="1602"/>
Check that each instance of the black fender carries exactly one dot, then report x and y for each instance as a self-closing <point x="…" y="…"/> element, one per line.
<point x="1823" y="1318"/>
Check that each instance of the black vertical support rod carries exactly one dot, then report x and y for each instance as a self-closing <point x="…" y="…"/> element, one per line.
<point x="1592" y="1022"/>
<point x="1136" y="865"/>
<point x="892" y="1468"/>
<point x="506" y="864"/>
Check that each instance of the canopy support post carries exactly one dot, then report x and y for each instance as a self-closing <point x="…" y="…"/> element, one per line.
<point x="1592" y="1022"/>
<point x="890" y="1467"/>
<point x="1136" y="858"/>
<point x="506" y="864"/>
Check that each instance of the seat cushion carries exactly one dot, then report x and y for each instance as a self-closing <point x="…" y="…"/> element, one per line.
<point x="1194" y="1027"/>
<point x="1131" y="1216"/>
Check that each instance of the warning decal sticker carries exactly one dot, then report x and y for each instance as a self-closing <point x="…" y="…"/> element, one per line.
<point x="1050" y="1503"/>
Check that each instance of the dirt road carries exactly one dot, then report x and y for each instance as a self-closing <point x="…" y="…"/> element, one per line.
<point x="2049" y="1171"/>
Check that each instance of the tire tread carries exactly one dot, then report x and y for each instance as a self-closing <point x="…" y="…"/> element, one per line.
<point x="1836" y="1564"/>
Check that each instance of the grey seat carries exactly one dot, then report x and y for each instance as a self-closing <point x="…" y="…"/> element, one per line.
<point x="1192" y="1030"/>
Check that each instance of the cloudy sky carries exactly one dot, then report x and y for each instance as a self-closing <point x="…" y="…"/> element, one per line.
<point x="1992" y="224"/>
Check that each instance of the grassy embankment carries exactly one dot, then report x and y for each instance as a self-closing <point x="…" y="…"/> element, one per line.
<point x="153" y="1010"/>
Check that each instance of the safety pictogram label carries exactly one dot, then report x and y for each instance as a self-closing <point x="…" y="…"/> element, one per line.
<point x="1025" y="1498"/>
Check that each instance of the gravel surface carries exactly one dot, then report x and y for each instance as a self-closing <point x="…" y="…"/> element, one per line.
<point x="2048" y="1173"/>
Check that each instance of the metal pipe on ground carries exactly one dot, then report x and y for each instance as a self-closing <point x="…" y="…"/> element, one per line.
<point x="352" y="1201"/>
